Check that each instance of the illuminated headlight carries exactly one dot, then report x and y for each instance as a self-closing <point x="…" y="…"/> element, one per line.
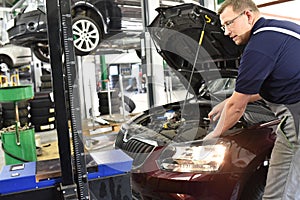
<point x="193" y="158"/>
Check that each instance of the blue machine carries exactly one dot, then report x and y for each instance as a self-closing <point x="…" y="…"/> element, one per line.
<point x="22" y="177"/>
<point x="112" y="162"/>
<point x="19" y="177"/>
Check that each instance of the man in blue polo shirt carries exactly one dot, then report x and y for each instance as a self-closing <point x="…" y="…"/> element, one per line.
<point x="269" y="69"/>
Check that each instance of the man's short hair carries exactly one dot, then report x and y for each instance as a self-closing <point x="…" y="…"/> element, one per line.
<point x="238" y="5"/>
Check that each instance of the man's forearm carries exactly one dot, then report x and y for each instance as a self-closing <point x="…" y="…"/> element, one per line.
<point x="255" y="97"/>
<point x="229" y="117"/>
<point x="233" y="111"/>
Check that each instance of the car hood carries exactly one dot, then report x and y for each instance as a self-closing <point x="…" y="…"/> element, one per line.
<point x="176" y="32"/>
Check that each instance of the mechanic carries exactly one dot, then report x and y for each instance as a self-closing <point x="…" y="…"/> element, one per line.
<point x="269" y="69"/>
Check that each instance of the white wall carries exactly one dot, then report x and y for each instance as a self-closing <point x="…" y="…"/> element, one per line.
<point x="287" y="11"/>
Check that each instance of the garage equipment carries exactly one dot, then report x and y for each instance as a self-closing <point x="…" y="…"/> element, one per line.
<point x="18" y="143"/>
<point x="106" y="176"/>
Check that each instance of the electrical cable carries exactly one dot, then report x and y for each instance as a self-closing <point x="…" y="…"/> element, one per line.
<point x="12" y="155"/>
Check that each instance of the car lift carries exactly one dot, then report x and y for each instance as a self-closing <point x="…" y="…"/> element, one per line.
<point x="106" y="176"/>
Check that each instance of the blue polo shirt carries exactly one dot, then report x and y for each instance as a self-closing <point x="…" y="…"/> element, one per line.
<point x="270" y="64"/>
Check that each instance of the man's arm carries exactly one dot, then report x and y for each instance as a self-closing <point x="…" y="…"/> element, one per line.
<point x="233" y="110"/>
<point x="254" y="97"/>
<point x="215" y="113"/>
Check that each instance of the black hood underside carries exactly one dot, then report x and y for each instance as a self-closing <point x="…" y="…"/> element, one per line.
<point x="176" y="32"/>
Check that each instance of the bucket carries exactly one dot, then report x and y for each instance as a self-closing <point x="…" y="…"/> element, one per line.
<point x="24" y="152"/>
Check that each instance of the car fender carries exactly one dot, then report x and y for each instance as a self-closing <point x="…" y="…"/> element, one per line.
<point x="18" y="55"/>
<point x="79" y="4"/>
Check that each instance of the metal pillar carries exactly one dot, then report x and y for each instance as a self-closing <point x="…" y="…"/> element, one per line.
<point x="103" y="72"/>
<point x="88" y="96"/>
<point x="61" y="43"/>
<point x="59" y="92"/>
<point x="152" y="63"/>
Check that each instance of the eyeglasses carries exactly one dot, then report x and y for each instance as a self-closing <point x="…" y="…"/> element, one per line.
<point x="230" y="22"/>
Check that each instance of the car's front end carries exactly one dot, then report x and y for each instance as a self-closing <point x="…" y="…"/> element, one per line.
<point x="171" y="161"/>
<point x="28" y="27"/>
<point x="219" y="169"/>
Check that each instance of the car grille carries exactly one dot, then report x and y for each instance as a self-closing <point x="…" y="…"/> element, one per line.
<point x="135" y="148"/>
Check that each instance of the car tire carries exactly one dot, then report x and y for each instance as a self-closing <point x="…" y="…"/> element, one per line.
<point x="104" y="110"/>
<point x="41" y="51"/>
<point x="114" y="101"/>
<point x="42" y="120"/>
<point x="44" y="127"/>
<point x="8" y="114"/>
<point x="94" y="35"/>
<point x="42" y="112"/>
<point x="6" y="62"/>
<point x="11" y="114"/>
<point x="9" y="122"/>
<point x="41" y="103"/>
<point x="104" y="94"/>
<point x="46" y="78"/>
<point x="11" y="106"/>
<point x="46" y="84"/>
<point x="129" y="104"/>
<point x="255" y="186"/>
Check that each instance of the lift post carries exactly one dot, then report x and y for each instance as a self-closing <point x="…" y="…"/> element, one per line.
<point x="60" y="29"/>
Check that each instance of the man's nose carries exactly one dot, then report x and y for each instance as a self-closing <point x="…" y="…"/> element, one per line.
<point x="226" y="31"/>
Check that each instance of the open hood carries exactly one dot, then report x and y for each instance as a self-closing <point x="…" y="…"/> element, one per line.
<point x="176" y="32"/>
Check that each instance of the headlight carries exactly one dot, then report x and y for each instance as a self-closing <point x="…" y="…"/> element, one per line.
<point x="189" y="157"/>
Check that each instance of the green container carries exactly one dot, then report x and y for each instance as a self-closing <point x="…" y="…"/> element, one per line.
<point x="16" y="93"/>
<point x="24" y="152"/>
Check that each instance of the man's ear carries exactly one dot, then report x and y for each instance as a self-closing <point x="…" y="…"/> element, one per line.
<point x="250" y="16"/>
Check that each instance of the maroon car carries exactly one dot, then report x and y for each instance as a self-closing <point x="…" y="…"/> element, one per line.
<point x="171" y="161"/>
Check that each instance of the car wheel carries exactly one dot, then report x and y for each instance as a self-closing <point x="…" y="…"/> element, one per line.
<point x="41" y="51"/>
<point x="254" y="188"/>
<point x="129" y="104"/>
<point x="87" y="35"/>
<point x="11" y="106"/>
<point x="5" y="63"/>
<point x="9" y="122"/>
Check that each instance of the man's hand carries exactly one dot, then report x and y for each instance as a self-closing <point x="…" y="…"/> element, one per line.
<point x="215" y="113"/>
<point x="211" y="135"/>
<point x="229" y="112"/>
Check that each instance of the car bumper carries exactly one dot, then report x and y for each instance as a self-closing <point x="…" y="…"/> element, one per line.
<point x="19" y="35"/>
<point x="23" y="60"/>
<point x="170" y="186"/>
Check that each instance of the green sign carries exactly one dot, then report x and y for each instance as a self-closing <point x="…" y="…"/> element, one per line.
<point x="220" y="1"/>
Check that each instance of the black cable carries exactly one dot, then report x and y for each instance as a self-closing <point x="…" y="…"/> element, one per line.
<point x="13" y="156"/>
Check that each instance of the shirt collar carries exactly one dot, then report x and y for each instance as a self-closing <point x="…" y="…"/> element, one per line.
<point x="258" y="24"/>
